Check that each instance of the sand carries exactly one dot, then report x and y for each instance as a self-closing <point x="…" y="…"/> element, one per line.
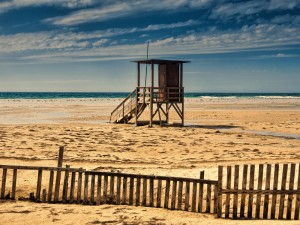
<point x="217" y="132"/>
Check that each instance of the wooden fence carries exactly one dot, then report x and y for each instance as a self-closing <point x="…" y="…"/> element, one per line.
<point x="259" y="191"/>
<point x="69" y="185"/>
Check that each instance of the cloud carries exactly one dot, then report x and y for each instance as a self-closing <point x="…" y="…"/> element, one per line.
<point x="8" y="5"/>
<point x="228" y="9"/>
<point x="120" y="9"/>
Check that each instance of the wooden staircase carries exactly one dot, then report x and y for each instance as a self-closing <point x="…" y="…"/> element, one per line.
<point x="127" y="109"/>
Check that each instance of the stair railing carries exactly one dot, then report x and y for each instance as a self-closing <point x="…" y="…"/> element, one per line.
<point x="122" y="108"/>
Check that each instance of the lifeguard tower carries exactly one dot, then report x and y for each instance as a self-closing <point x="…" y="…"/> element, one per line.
<point x="165" y="92"/>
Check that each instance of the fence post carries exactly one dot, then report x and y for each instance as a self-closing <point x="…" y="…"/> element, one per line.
<point x="220" y="183"/>
<point x="60" y="156"/>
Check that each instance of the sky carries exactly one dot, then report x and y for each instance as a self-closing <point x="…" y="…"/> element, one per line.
<point x="87" y="45"/>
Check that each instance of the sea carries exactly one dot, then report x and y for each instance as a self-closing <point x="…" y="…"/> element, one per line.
<point x="62" y="95"/>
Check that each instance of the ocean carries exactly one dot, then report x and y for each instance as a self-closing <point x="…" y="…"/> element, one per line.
<point x="61" y="95"/>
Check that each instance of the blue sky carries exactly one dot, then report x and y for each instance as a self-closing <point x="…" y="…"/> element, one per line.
<point x="86" y="45"/>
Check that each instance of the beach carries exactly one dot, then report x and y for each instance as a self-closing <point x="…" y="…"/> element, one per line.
<point x="217" y="131"/>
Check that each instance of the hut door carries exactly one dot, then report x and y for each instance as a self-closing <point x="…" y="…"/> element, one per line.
<point x="173" y="82"/>
<point x="162" y="82"/>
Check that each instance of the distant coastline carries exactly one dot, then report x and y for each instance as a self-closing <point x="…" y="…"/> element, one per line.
<point x="64" y="95"/>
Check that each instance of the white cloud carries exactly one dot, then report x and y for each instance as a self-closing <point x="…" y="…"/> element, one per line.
<point x="124" y="8"/>
<point x="15" y="4"/>
<point x="73" y="47"/>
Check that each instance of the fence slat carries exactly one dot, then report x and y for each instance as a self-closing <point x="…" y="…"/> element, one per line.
<point x="194" y="196"/>
<point x="124" y="199"/>
<point x="297" y="204"/>
<point x="208" y="198"/>
<point x="50" y="187"/>
<point x="118" y="197"/>
<point x="158" y="199"/>
<point x="187" y="196"/>
<point x="220" y="186"/>
<point x="112" y="188"/>
<point x="283" y="187"/>
<point x="251" y="186"/>
<point x="144" y="200"/>
<point x="92" y="201"/>
<point x="39" y="185"/>
<point x="267" y="187"/>
<point x="14" y="185"/>
<point x="243" y="196"/>
<point x="173" y="198"/>
<point x="131" y="190"/>
<point x="65" y="186"/>
<point x="79" y="186"/>
<point x="215" y="199"/>
<point x="167" y="194"/>
<point x="236" y="187"/>
<point x="138" y="191"/>
<point x="179" y="200"/>
<point x="99" y="189"/>
<point x="200" y="194"/>
<point x="86" y="188"/>
<point x="228" y="186"/>
<point x="259" y="187"/>
<point x="105" y="188"/>
<point x="290" y="196"/>
<point x="151" y="192"/>
<point x="73" y="176"/>
<point x="274" y="196"/>
<point x="57" y="186"/>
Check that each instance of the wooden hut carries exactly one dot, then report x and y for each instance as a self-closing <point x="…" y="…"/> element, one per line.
<point x="165" y="92"/>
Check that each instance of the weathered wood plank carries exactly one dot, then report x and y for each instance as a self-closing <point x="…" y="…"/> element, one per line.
<point x="44" y="168"/>
<point x="86" y="189"/>
<point x="124" y="194"/>
<point x="50" y="187"/>
<point x="112" y="189"/>
<point x="72" y="188"/>
<point x="44" y="195"/>
<point x="267" y="187"/>
<point x="65" y="185"/>
<point x="57" y="186"/>
<point x="138" y="191"/>
<point x="283" y="187"/>
<point x="173" y="198"/>
<point x="187" y="196"/>
<point x="118" y="197"/>
<point x="14" y="185"/>
<point x="180" y="189"/>
<point x="274" y="197"/>
<point x="243" y="196"/>
<point x="290" y="196"/>
<point x="228" y="186"/>
<point x="220" y="186"/>
<point x="236" y="187"/>
<point x="200" y="194"/>
<point x="215" y="199"/>
<point x="208" y="198"/>
<point x="251" y="186"/>
<point x="167" y="195"/>
<point x="144" y="198"/>
<point x="131" y="190"/>
<point x="158" y="199"/>
<point x="259" y="187"/>
<point x="39" y="185"/>
<point x="105" y="188"/>
<point x="297" y="204"/>
<point x="151" y="197"/>
<point x="79" y="186"/>
<point x="92" y="200"/>
<point x="194" y="197"/>
<point x="99" y="180"/>
<point x="204" y="181"/>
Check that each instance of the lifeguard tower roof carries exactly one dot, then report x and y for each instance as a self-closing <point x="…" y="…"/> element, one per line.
<point x="158" y="61"/>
